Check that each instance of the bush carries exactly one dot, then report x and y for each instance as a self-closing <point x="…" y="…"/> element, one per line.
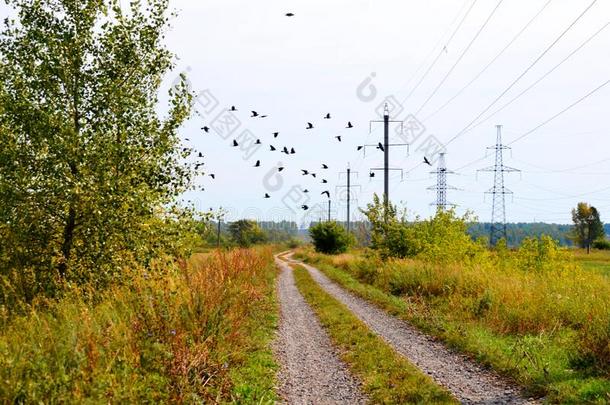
<point x="330" y="238"/>
<point x="245" y="232"/>
<point x="601" y="244"/>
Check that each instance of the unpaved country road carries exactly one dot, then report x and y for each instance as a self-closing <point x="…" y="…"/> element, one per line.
<point x="469" y="382"/>
<point x="310" y="371"/>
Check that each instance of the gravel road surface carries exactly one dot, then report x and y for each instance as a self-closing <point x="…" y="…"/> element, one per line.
<point x="310" y="370"/>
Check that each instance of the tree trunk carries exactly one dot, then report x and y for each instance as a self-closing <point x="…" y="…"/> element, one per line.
<point x="68" y="239"/>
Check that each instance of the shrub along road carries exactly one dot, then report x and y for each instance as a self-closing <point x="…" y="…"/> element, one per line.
<point x="464" y="378"/>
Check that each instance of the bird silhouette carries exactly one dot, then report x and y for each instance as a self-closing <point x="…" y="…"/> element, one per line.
<point x="305" y="172"/>
<point x="267" y="195"/>
<point x="338" y="138"/>
<point x="285" y="150"/>
<point x="371" y="174"/>
<point x="324" y="166"/>
<point x="380" y="147"/>
<point x="327" y="116"/>
<point x="349" y="125"/>
<point x="263" y="116"/>
<point x="257" y="164"/>
<point x="313" y="174"/>
<point x="325" y="192"/>
<point x="324" y="181"/>
<point x="309" y="125"/>
<point x="272" y="148"/>
<point x="306" y="191"/>
<point x="292" y="152"/>
<point x="198" y="165"/>
<point x="233" y="108"/>
<point x="279" y="169"/>
<point x="212" y="175"/>
<point x="305" y="207"/>
<point x="360" y="147"/>
<point x="235" y="143"/>
<point x="275" y="134"/>
<point x="258" y="142"/>
<point x="206" y="129"/>
<point x="426" y="161"/>
<point x="254" y="114"/>
<point x="289" y="14"/>
<point x="200" y="155"/>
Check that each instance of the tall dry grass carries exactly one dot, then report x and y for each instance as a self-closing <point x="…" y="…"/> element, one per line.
<point x="177" y="335"/>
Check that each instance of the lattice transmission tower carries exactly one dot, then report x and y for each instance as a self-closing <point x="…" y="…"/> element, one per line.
<point x="499" y="191"/>
<point x="441" y="186"/>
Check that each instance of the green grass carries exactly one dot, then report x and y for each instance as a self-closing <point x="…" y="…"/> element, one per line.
<point x="547" y="362"/>
<point x="598" y="261"/>
<point x="192" y="334"/>
<point x="387" y="377"/>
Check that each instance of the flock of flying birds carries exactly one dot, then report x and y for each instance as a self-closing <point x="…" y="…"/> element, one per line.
<point x="287" y="150"/>
<point x="291" y="151"/>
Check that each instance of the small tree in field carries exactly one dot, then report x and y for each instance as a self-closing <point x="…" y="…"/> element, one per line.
<point x="246" y="232"/>
<point x="330" y="238"/>
<point x="588" y="226"/>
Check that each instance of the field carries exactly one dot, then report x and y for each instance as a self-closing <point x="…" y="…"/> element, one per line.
<point x="598" y="261"/>
<point x="549" y="330"/>
<point x="198" y="332"/>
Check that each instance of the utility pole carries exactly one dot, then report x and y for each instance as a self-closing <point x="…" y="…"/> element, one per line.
<point x="218" y="233"/>
<point x="386" y="156"/>
<point x="329" y="210"/>
<point x="499" y="191"/>
<point x="441" y="184"/>
<point x="349" y="186"/>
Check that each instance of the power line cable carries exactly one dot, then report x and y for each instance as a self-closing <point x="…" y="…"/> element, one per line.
<point x="490" y="62"/>
<point x="459" y="59"/>
<point x="548" y="48"/>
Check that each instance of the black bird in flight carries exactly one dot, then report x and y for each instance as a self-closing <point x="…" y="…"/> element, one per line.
<point x="257" y="164"/>
<point x="263" y="116"/>
<point x="258" y="142"/>
<point x="349" y="125"/>
<point x="305" y="207"/>
<point x="292" y="152"/>
<point x="198" y="165"/>
<point x="235" y="143"/>
<point x="426" y="161"/>
<point x="324" y="181"/>
<point x="267" y="195"/>
<point x="313" y="174"/>
<point x="325" y="192"/>
<point x="371" y="174"/>
<point x="275" y="134"/>
<point x="254" y="114"/>
<point x="380" y="147"/>
<point x="272" y="148"/>
<point x="306" y="191"/>
<point x="338" y="137"/>
<point x="305" y="172"/>
<point x="233" y="108"/>
<point x="327" y="116"/>
<point x="206" y="129"/>
<point x="285" y="150"/>
<point x="309" y="125"/>
<point x="212" y="175"/>
<point x="324" y="166"/>
<point x="200" y="155"/>
<point x="279" y="169"/>
<point x="289" y="14"/>
<point x="360" y="147"/>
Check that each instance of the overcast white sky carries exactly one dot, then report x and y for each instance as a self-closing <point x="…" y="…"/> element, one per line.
<point x="250" y="55"/>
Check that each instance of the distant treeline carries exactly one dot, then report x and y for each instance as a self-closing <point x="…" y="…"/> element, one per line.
<point x="516" y="232"/>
